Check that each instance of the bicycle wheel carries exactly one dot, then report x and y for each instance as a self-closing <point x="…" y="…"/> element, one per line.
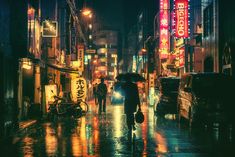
<point x="84" y="107"/>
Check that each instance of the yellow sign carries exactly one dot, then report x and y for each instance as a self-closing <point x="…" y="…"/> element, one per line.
<point x="50" y="91"/>
<point x="80" y="57"/>
<point x="78" y="89"/>
<point x="151" y="80"/>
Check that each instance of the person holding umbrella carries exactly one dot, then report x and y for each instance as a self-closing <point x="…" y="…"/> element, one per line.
<point x="131" y="102"/>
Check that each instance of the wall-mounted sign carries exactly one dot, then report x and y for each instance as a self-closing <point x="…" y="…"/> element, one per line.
<point x="180" y="57"/>
<point x="78" y="89"/>
<point x="181" y="20"/>
<point x="90" y="51"/>
<point x="164" y="29"/>
<point x="80" y="57"/>
<point x="179" y="42"/>
<point x="151" y="80"/>
<point x="50" y="91"/>
<point x="49" y="28"/>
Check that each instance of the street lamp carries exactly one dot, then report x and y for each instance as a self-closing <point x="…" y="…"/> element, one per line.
<point x="87" y="12"/>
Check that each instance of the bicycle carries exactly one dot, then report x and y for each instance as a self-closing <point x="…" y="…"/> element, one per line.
<point x="81" y="107"/>
<point x="61" y="107"/>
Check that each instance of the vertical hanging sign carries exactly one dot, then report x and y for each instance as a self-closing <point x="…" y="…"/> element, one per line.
<point x="181" y="20"/>
<point x="78" y="89"/>
<point x="180" y="53"/>
<point x="80" y="49"/>
<point x="164" y="29"/>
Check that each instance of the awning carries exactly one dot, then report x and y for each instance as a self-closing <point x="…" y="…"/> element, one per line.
<point x="55" y="66"/>
<point x="63" y="69"/>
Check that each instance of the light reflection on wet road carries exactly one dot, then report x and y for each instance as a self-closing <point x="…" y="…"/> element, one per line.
<point x="106" y="135"/>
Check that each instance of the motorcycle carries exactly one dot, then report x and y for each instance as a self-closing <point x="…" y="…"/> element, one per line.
<point x="61" y="107"/>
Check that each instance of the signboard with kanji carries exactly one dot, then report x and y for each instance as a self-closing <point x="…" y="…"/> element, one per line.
<point x="49" y="28"/>
<point x="80" y="57"/>
<point x="180" y="53"/>
<point x="78" y="89"/>
<point x="164" y="29"/>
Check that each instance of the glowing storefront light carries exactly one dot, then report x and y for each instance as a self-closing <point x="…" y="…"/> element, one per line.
<point x="86" y="12"/>
<point x="90" y="26"/>
<point x="164" y="24"/>
<point x="27" y="65"/>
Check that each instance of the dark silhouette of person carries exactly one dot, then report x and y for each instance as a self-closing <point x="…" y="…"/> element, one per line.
<point x="101" y="94"/>
<point x="131" y="102"/>
<point x="95" y="92"/>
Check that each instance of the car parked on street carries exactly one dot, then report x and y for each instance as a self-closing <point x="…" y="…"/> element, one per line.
<point x="168" y="92"/>
<point x="206" y="98"/>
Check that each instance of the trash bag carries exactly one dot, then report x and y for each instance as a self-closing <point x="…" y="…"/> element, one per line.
<point x="139" y="117"/>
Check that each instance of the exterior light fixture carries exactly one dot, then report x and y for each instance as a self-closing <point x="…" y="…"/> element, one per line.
<point x="86" y="12"/>
<point x="90" y="26"/>
<point x="143" y="50"/>
<point x="26" y="63"/>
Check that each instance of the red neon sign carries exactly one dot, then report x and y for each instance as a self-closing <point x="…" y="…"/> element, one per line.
<point x="181" y="18"/>
<point x="164" y="32"/>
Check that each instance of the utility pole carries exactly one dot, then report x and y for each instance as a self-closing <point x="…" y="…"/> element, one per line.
<point x="73" y="11"/>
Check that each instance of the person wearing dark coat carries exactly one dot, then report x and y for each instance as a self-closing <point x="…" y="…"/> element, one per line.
<point x="131" y="102"/>
<point x="101" y="94"/>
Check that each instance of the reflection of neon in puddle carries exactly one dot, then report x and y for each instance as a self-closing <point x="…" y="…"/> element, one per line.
<point x="79" y="142"/>
<point x="27" y="149"/>
<point x="76" y="146"/>
<point x="117" y="119"/>
<point x="51" y="142"/>
<point x="161" y="147"/>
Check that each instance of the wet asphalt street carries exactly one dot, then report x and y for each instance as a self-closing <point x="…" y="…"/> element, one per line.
<point x="106" y="135"/>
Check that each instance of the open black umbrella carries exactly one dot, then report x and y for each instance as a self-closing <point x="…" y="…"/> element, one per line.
<point x="106" y="78"/>
<point x="133" y="76"/>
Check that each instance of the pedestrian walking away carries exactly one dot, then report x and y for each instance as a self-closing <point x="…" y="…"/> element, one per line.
<point x="101" y="94"/>
<point x="131" y="102"/>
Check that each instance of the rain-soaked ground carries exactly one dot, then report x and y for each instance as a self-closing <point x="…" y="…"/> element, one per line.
<point x="106" y="135"/>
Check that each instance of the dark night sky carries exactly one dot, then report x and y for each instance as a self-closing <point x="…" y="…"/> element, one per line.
<point x="118" y="13"/>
